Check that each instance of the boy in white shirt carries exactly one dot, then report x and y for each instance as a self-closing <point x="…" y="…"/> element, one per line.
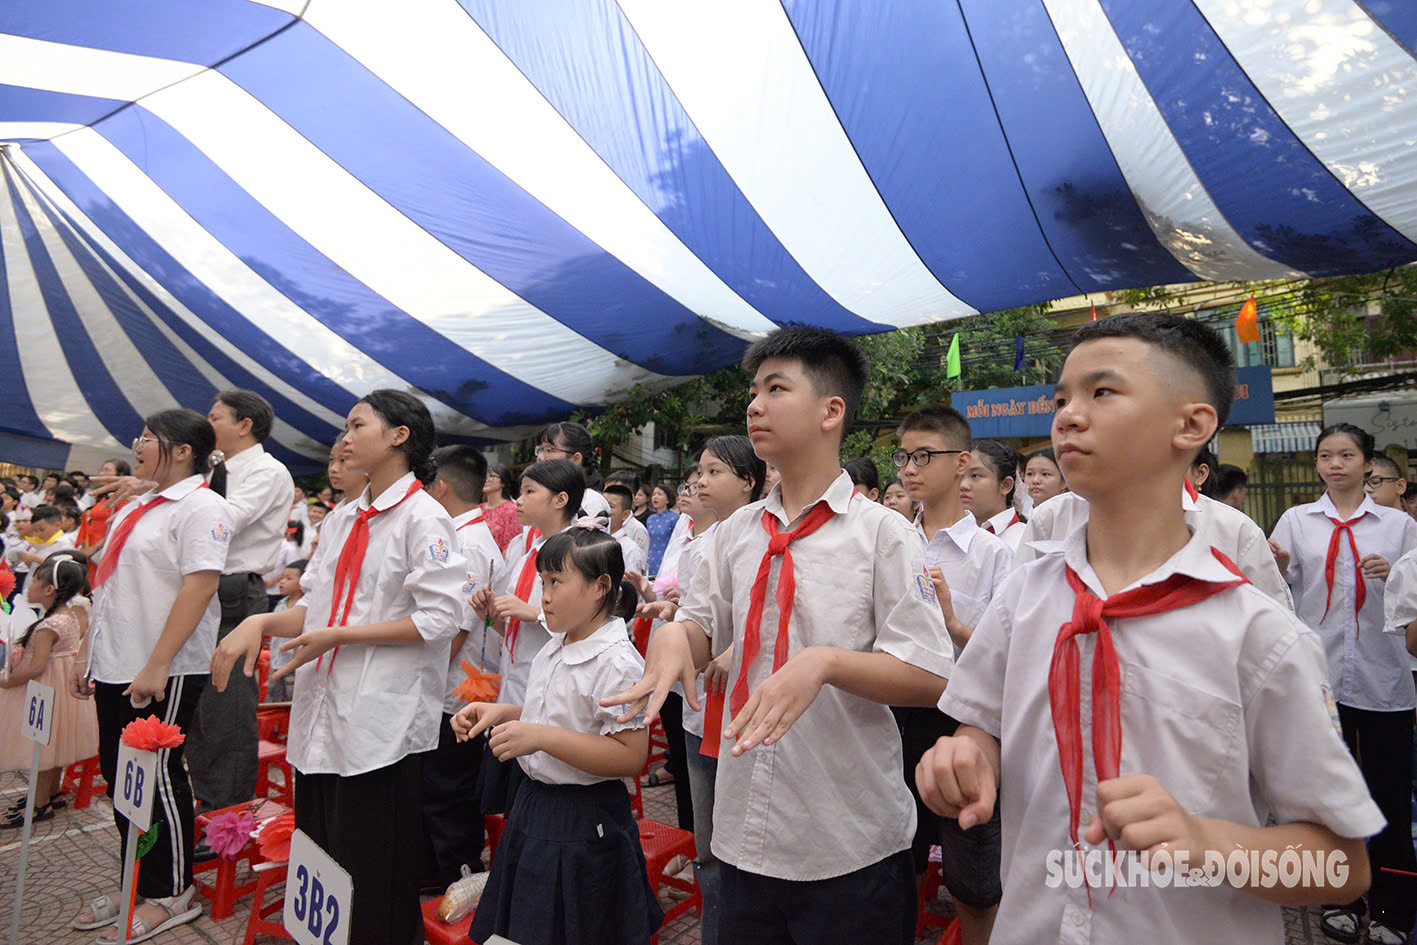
<point x="452" y="810"/>
<point x="1200" y="701"/>
<point x="966" y="565"/>
<point x="812" y="821"/>
<point x="622" y="508"/>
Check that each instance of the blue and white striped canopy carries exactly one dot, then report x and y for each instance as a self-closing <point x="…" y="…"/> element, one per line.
<point x="515" y="207"/>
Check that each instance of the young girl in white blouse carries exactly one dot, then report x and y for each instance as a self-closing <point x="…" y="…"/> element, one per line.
<point x="1336" y="554"/>
<point x="549" y="502"/>
<point x="151" y="635"/>
<point x="569" y="868"/>
<point x="383" y="599"/>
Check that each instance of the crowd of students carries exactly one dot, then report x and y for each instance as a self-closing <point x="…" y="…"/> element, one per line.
<point x="848" y="675"/>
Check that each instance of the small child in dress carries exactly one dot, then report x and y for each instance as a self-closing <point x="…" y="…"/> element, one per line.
<point x="569" y="867"/>
<point x="46" y="652"/>
<point x="291" y="595"/>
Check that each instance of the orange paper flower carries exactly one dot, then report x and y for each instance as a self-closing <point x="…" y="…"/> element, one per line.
<point x="273" y="838"/>
<point x="478" y="686"/>
<point x="7" y="580"/>
<point x="152" y="734"/>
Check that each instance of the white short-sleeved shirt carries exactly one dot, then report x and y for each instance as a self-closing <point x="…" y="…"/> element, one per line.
<point x="635" y="559"/>
<point x="518" y="547"/>
<point x="61" y="541"/>
<point x="483" y="646"/>
<point x="1009" y="526"/>
<point x="636" y="531"/>
<point x="1224" y="702"/>
<point x="1400" y="600"/>
<point x="188" y="533"/>
<point x="1228" y="529"/>
<point x="828" y="798"/>
<point x="532" y="635"/>
<point x="689" y="562"/>
<point x="973" y="562"/>
<point x="564" y="690"/>
<point x="369" y="706"/>
<point x="1367" y="668"/>
<point x="679" y="539"/>
<point x="259" y="490"/>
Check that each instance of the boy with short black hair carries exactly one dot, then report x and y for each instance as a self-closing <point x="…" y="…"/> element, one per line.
<point x="1386" y="483"/>
<point x="813" y="823"/>
<point x="1230" y="486"/>
<point x="622" y="512"/>
<point x="1207" y="715"/>
<point x="966" y="566"/>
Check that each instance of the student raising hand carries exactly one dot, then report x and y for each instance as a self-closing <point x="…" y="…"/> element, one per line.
<point x="671" y="658"/>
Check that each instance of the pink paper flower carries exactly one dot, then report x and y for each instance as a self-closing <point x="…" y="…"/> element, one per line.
<point x="228" y="833"/>
<point x="152" y="734"/>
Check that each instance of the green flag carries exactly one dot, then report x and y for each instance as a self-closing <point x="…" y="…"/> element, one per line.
<point x="952" y="359"/>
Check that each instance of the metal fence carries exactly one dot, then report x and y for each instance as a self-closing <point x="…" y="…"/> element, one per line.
<point x="1278" y="484"/>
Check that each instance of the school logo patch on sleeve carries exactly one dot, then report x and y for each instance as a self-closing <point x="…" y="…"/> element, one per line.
<point x="926" y="587"/>
<point x="221" y="533"/>
<point x="438" y="551"/>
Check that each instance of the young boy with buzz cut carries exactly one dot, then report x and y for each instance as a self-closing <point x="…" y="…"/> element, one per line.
<point x="1386" y="483"/>
<point x="825" y="599"/>
<point x="966" y="565"/>
<point x="1154" y="700"/>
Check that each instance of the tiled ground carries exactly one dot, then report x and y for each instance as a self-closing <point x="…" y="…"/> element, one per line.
<point x="75" y="856"/>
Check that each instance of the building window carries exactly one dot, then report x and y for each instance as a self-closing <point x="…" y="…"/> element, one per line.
<point x="1274" y="349"/>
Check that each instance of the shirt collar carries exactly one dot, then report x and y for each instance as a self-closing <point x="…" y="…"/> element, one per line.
<point x="607" y="635"/>
<point x="245" y="458"/>
<point x="390" y="497"/>
<point x="536" y="545"/>
<point x="961" y="533"/>
<point x="838" y="497"/>
<point x="1196" y="559"/>
<point x="1187" y="502"/>
<point x="182" y="489"/>
<point x="460" y="520"/>
<point x="1326" y="507"/>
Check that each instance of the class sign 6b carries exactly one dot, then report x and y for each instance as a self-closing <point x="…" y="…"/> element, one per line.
<point x="318" y="895"/>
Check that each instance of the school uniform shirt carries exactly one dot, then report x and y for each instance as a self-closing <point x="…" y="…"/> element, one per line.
<point x="1231" y="531"/>
<point x="1224" y="702"/>
<point x="828" y="799"/>
<point x="518" y="547"/>
<point x="1367" y="668"/>
<point x="289" y="551"/>
<point x="564" y="689"/>
<point x="1009" y="526"/>
<point x="279" y="658"/>
<point x="636" y="531"/>
<point x="973" y="562"/>
<point x="515" y="667"/>
<point x="1400" y="600"/>
<point x="367" y="706"/>
<point x="259" y="490"/>
<point x="679" y="539"/>
<point x="483" y="646"/>
<point x="630" y="551"/>
<point x="59" y="541"/>
<point x="689" y="563"/>
<point x="188" y="533"/>
<point x="31" y="500"/>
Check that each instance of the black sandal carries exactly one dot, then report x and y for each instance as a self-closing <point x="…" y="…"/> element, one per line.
<point x="1331" y="915"/>
<point x="15" y="817"/>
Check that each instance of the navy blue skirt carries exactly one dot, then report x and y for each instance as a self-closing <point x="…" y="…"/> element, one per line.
<point x="569" y="871"/>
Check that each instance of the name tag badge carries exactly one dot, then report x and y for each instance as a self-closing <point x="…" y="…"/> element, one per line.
<point x="319" y="895"/>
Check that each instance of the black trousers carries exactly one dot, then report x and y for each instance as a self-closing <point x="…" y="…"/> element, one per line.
<point x="221" y="747"/>
<point x="676" y="763"/>
<point x="1382" y="744"/>
<point x="452" y="807"/>
<point x="875" y="904"/>
<point x="369" y="824"/>
<point x="167" y="869"/>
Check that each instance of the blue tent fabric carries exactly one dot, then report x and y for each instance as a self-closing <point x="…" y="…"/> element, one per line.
<point x="513" y="210"/>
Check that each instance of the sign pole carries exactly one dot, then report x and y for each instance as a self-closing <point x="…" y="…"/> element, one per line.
<point x="130" y="847"/>
<point x="25" y="847"/>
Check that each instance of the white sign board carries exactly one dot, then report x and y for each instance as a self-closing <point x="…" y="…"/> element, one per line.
<point x="318" y="895"/>
<point x="137" y="783"/>
<point x="1391" y="419"/>
<point x="37" y="720"/>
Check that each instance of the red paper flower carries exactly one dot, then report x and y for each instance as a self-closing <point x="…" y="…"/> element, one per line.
<point x="478" y="686"/>
<point x="228" y="833"/>
<point x="273" y="838"/>
<point x="152" y="734"/>
<point x="7" y="580"/>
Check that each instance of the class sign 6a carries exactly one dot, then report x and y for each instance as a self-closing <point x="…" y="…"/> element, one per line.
<point x="37" y="721"/>
<point x="318" y="895"/>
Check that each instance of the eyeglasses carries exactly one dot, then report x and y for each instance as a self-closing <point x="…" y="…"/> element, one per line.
<point x="1372" y="482"/>
<point x="687" y="489"/>
<point x="546" y="449"/>
<point x="920" y="457"/>
<point x="145" y="438"/>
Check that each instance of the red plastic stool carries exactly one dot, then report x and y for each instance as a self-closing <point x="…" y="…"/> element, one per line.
<point x="223" y="892"/>
<point x="662" y="843"/>
<point x="263" y="672"/>
<point x="86" y="777"/>
<point x="930" y="885"/>
<point x="267" y="755"/>
<point x="438" y="932"/>
<point x="494" y="824"/>
<point x="260" y="923"/>
<point x="273" y="724"/>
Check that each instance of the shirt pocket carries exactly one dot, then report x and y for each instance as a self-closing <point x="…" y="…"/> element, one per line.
<point x="969" y="610"/>
<point x="1181" y="735"/>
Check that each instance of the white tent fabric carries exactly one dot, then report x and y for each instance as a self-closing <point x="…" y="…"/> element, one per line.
<point x="515" y="209"/>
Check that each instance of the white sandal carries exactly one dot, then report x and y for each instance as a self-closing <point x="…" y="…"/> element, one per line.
<point x="180" y="910"/>
<point x="104" y="913"/>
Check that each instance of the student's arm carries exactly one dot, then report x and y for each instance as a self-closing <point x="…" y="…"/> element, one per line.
<point x="1282" y="543"/>
<point x="959" y="776"/>
<point x="244" y="642"/>
<point x="618" y="755"/>
<point x="119" y="489"/>
<point x="677" y="652"/>
<point x="959" y="631"/>
<point x="312" y="644"/>
<point x="187" y="610"/>
<point x="36" y="659"/>
<point x="459" y="639"/>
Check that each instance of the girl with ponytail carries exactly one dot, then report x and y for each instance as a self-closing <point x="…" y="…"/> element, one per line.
<point x="569" y="866"/>
<point x="382" y="600"/>
<point x="46" y="652"/>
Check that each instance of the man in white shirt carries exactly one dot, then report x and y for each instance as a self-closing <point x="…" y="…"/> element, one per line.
<point x="622" y="507"/>
<point x="222" y="745"/>
<point x="30" y="496"/>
